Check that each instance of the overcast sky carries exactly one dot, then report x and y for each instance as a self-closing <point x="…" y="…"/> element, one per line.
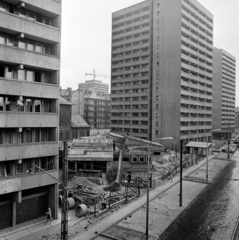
<point x="86" y="35"/>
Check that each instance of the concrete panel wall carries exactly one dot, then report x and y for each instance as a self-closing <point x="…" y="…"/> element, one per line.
<point x="23" y="182"/>
<point x="169" y="71"/>
<point x="19" y="25"/>
<point x="28" y="89"/>
<point x="217" y="89"/>
<point x="14" y="152"/>
<point x="18" y="120"/>
<point x="17" y="56"/>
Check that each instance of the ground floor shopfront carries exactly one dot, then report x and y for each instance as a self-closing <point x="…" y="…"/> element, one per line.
<point x="22" y="206"/>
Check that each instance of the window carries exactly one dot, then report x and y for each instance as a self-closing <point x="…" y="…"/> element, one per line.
<point x="22" y="44"/>
<point x="37" y="105"/>
<point x="21" y="74"/>
<point x="2" y="38"/>
<point x="2" y="6"/>
<point x="30" y="46"/>
<point x="2" y="170"/>
<point x="8" y="169"/>
<point x="47" y="21"/>
<point x="28" y="164"/>
<point x="10" y="41"/>
<point x="9" y="72"/>
<point x="37" y="163"/>
<point x="46" y="49"/>
<point x="29" y="105"/>
<point x="141" y="160"/>
<point x="44" y="163"/>
<point x="1" y="109"/>
<point x="37" y="135"/>
<point x="19" y="167"/>
<point x="135" y="160"/>
<point x="30" y="76"/>
<point x="37" y="77"/>
<point x="31" y="16"/>
<point x="38" y="48"/>
<point x="22" y="13"/>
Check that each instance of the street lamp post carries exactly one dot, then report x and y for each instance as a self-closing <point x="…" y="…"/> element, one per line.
<point x="181" y="173"/>
<point x="147" y="200"/>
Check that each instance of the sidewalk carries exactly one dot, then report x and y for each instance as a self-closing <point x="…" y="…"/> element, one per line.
<point x="131" y="218"/>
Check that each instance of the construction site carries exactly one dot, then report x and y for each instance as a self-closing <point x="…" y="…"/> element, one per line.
<point x="98" y="173"/>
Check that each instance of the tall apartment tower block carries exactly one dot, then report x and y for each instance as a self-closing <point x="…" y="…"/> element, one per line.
<point x="224" y="86"/>
<point x="94" y="86"/>
<point x="162" y="70"/>
<point x="30" y="39"/>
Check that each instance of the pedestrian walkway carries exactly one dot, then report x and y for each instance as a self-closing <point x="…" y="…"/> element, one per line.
<point x="166" y="195"/>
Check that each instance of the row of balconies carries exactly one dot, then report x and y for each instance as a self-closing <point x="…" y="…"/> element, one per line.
<point x="27" y="181"/>
<point x="21" y="120"/>
<point x="31" y="29"/>
<point x="28" y="150"/>
<point x="28" y="89"/>
<point x="197" y="11"/>
<point x="17" y="56"/>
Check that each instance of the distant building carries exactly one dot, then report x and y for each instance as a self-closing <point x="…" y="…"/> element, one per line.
<point x="65" y="120"/>
<point x="79" y="127"/>
<point x="71" y="126"/>
<point x="162" y="70"/>
<point x="94" y="107"/>
<point x="224" y="87"/>
<point x="97" y="110"/>
<point x="29" y="123"/>
<point x="94" y="86"/>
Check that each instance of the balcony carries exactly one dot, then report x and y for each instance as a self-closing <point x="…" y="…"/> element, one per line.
<point x="28" y="89"/>
<point x="27" y="181"/>
<point x="21" y="120"/>
<point x="31" y="59"/>
<point x="51" y="6"/>
<point x="29" y="150"/>
<point x="29" y="28"/>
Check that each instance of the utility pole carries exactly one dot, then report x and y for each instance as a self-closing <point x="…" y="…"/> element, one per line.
<point x="64" y="214"/>
<point x="181" y="173"/>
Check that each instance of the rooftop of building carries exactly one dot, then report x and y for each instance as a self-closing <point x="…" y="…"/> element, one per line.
<point x="78" y="121"/>
<point x="63" y="101"/>
<point x="93" y="148"/>
<point x="96" y="95"/>
<point x="224" y="51"/>
<point x="93" y="81"/>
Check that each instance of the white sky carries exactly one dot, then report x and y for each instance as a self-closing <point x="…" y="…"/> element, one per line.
<point x="86" y="35"/>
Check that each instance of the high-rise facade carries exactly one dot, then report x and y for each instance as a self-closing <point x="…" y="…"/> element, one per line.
<point x="162" y="70"/>
<point x="94" y="86"/>
<point x="29" y="90"/>
<point x="224" y="86"/>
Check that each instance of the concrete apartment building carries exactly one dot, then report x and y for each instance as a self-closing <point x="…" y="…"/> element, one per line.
<point x="162" y="70"/>
<point x="94" y="86"/>
<point x="29" y="90"/>
<point x="224" y="86"/>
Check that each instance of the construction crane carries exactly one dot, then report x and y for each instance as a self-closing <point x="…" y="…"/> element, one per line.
<point x="96" y="75"/>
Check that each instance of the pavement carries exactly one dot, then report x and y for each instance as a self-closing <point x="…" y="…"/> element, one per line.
<point x="164" y="205"/>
